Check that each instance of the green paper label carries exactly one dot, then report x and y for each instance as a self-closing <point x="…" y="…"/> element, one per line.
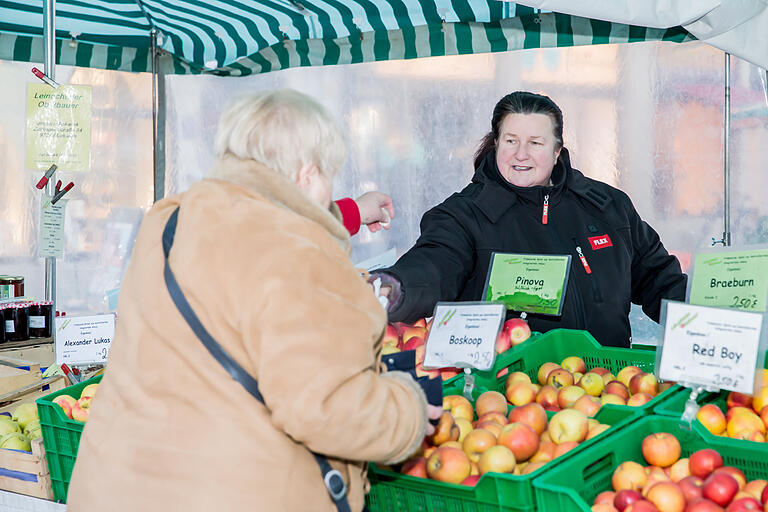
<point x="733" y="279"/>
<point x="534" y="283"/>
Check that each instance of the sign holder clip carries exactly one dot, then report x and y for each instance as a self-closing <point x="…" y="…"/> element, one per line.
<point x="469" y="383"/>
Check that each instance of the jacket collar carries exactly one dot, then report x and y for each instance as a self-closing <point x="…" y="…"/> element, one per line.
<point x="258" y="179"/>
<point x="498" y="195"/>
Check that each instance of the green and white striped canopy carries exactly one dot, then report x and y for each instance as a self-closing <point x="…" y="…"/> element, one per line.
<point x="241" y="37"/>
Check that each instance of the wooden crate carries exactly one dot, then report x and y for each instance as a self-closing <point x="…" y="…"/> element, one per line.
<point x="26" y="473"/>
<point x="21" y="381"/>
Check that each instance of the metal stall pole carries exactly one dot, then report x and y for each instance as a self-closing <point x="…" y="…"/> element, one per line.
<point x="727" y="155"/>
<point x="158" y="120"/>
<point x="49" y="68"/>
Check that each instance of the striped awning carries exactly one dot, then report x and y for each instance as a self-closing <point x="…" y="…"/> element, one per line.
<point x="229" y="37"/>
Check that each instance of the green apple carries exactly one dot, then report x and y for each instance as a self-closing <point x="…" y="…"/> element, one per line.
<point x="15" y="441"/>
<point x="24" y="414"/>
<point x="8" y="425"/>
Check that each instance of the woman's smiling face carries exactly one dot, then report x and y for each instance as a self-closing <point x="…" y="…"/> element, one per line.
<point x="526" y="150"/>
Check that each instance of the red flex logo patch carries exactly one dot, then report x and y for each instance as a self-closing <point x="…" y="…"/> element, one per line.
<point x="599" y="242"/>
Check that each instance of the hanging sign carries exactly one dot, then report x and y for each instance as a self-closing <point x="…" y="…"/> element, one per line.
<point x="52" y="228"/>
<point x="729" y="278"/>
<point x="711" y="347"/>
<point x="534" y="283"/>
<point x="84" y="339"/>
<point x="463" y="335"/>
<point x="59" y="127"/>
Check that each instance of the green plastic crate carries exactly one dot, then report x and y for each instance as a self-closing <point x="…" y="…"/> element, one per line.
<point x="61" y="437"/>
<point x="395" y="492"/>
<point x="574" y="484"/>
<point x="558" y="344"/>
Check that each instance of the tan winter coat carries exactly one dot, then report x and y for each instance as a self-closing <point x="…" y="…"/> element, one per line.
<point x="268" y="273"/>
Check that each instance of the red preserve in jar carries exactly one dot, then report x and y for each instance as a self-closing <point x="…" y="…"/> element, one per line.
<point x="40" y="319"/>
<point x="2" y="323"/>
<point x="16" y="319"/>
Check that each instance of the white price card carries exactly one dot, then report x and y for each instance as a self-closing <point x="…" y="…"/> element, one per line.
<point x="52" y="228"/>
<point x="463" y="335"/>
<point x="711" y="347"/>
<point x="84" y="339"/>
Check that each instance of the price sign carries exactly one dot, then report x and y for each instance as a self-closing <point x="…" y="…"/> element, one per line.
<point x="736" y="279"/>
<point x="534" y="283"/>
<point x="463" y="335"/>
<point x="711" y="347"/>
<point x="84" y="339"/>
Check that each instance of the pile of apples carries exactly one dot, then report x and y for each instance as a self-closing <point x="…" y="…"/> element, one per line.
<point x="699" y="483"/>
<point x="18" y="430"/>
<point x="746" y="416"/>
<point x="519" y="442"/>
<point x="77" y="409"/>
<point x="401" y="336"/>
<point x="570" y="385"/>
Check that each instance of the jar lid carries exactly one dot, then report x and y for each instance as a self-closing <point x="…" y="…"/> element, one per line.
<point x="17" y="305"/>
<point x="15" y="279"/>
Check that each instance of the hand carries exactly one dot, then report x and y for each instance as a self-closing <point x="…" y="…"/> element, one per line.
<point x="433" y="413"/>
<point x="376" y="210"/>
<point x="390" y="288"/>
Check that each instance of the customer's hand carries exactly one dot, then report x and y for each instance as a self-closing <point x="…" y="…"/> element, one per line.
<point x="376" y="210"/>
<point x="390" y="288"/>
<point x="433" y="413"/>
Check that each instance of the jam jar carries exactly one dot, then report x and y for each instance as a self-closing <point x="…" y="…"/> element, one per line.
<point x="11" y="286"/>
<point x="2" y="323"/>
<point x="40" y="319"/>
<point x="16" y="318"/>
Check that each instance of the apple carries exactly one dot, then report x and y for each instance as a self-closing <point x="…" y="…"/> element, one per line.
<point x="625" y="498"/>
<point x="81" y="409"/>
<point x="764" y="495"/>
<point x="661" y="449"/>
<point x="15" y="441"/>
<point x="476" y="442"/>
<point x="629" y="475"/>
<point x="24" y="413"/>
<point x="518" y="330"/>
<point x="516" y="377"/>
<point x="587" y="404"/>
<point x="448" y="464"/>
<point x="574" y="364"/>
<point x="568" y="425"/>
<point x="736" y="473"/>
<point x="560" y="378"/>
<point x="471" y="480"/>
<point x="603" y="507"/>
<point x="639" y="399"/>
<point x="720" y="488"/>
<point x="608" y="377"/>
<point x="563" y="448"/>
<point x="491" y="401"/>
<point x="521" y="393"/>
<point x="544" y="371"/>
<point x="449" y="373"/>
<point x="411" y="332"/>
<point x="642" y="506"/>
<point x="412" y="344"/>
<point x="568" y="395"/>
<point x="465" y="427"/>
<point x="702" y="505"/>
<point x="390" y="336"/>
<point x="744" y="505"/>
<point x="415" y="467"/>
<point x="644" y="383"/>
<point x="532" y="415"/>
<point x="705" y="461"/>
<point x="496" y="459"/>
<point x="503" y="342"/>
<point x="736" y="399"/>
<point x="625" y="374"/>
<point x="454" y="444"/>
<point x="610" y="398"/>
<point x="592" y="383"/>
<point x="458" y="406"/>
<point x="491" y="426"/>
<point x="421" y="322"/>
<point x="545" y="453"/>
<point x="66" y="403"/>
<point x="691" y="487"/>
<point x="712" y="418"/>
<point x="547" y="397"/>
<point x="667" y="497"/>
<point x="615" y="387"/>
<point x="446" y="430"/>
<point x="533" y="466"/>
<point x="521" y="439"/>
<point x="744" y="421"/>
<point x="89" y="390"/>
<point x="679" y="470"/>
<point x="387" y="349"/>
<point x="597" y="430"/>
<point x="755" y="488"/>
<point x="760" y="399"/>
<point x="494" y="416"/>
<point x="605" y="497"/>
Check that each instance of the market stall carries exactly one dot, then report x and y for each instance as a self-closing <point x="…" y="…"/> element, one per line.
<point x="636" y="104"/>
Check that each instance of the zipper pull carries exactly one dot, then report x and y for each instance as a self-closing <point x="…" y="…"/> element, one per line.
<point x="545" y="210"/>
<point x="583" y="260"/>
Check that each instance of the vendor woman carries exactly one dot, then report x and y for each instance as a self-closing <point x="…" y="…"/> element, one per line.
<point x="526" y="198"/>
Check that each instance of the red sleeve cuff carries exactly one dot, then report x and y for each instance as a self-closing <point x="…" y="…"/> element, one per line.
<point x="350" y="214"/>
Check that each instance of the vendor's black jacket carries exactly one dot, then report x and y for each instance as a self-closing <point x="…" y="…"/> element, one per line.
<point x="627" y="260"/>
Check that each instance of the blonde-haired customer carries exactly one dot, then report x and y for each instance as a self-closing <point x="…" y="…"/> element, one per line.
<point x="261" y="257"/>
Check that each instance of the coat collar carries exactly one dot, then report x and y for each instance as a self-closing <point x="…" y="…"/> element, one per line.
<point x="497" y="196"/>
<point x="259" y="179"/>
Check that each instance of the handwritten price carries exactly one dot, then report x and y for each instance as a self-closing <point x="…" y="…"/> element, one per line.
<point x="725" y="381"/>
<point x="480" y="359"/>
<point x="744" y="302"/>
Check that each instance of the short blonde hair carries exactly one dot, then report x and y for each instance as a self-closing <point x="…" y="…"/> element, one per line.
<point x="282" y="129"/>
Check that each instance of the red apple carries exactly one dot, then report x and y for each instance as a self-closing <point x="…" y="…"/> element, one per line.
<point x="703" y="462"/>
<point x="518" y="330"/>
<point x="744" y="505"/>
<point x="390" y="336"/>
<point x="66" y="403"/>
<point x="503" y="342"/>
<point x="641" y="506"/>
<point x="720" y="488"/>
<point x="471" y="480"/>
<point x="661" y="449"/>
<point x="625" y="498"/>
<point x="691" y="487"/>
<point x="448" y="464"/>
<point x="415" y="467"/>
<point x="702" y="505"/>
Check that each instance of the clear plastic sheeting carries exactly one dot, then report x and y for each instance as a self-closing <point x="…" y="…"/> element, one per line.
<point x="106" y="204"/>
<point x="644" y="117"/>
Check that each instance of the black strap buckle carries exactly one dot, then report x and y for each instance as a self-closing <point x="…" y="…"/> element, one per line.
<point x="335" y="484"/>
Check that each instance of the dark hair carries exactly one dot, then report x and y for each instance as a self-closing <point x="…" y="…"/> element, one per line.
<point x="520" y="102"/>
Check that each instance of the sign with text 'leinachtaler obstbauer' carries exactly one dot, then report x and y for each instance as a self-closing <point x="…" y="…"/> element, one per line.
<point x="730" y="278"/>
<point x="84" y="339"/>
<point x="463" y="335"/>
<point x="711" y="347"/>
<point x="533" y="283"/>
